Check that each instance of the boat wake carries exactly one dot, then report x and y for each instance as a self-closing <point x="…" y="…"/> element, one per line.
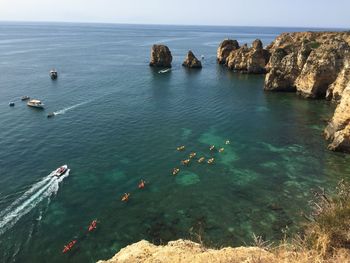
<point x="41" y="190"/>
<point x="63" y="111"/>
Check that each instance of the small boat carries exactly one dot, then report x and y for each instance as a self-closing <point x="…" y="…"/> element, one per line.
<point x="61" y="170"/>
<point x="51" y="114"/>
<point x="221" y="150"/>
<point x="164" y="70"/>
<point x="93" y="225"/>
<point x="202" y="159"/>
<point x="181" y="148"/>
<point x="35" y="104"/>
<point x="227" y="142"/>
<point x="11" y="104"/>
<point x="53" y="74"/>
<point x="69" y="246"/>
<point x="211" y="148"/>
<point x="23" y="98"/>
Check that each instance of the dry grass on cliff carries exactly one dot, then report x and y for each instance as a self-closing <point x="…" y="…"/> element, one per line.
<point x="326" y="236"/>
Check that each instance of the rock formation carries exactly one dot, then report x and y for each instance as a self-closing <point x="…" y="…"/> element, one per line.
<point x="250" y="60"/>
<point x="191" y="61"/>
<point x="225" y="49"/>
<point x="315" y="65"/>
<point x="307" y="62"/>
<point x="338" y="130"/>
<point x="188" y="252"/>
<point x="160" y="56"/>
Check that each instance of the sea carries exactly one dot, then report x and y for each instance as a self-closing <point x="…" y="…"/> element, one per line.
<point x="118" y="121"/>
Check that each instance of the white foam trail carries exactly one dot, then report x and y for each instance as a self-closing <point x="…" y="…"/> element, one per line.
<point x="63" y="111"/>
<point x="31" y="198"/>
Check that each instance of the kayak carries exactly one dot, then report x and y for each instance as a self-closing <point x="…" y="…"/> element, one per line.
<point x="69" y="246"/>
<point x="92" y="226"/>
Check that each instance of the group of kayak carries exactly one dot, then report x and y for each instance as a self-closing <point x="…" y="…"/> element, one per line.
<point x="141" y="185"/>
<point x="70" y="245"/>
<point x="192" y="155"/>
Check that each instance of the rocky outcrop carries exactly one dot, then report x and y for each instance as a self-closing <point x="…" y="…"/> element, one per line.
<point x="191" y="61"/>
<point x="225" y="49"/>
<point x="188" y="252"/>
<point x="160" y="56"/>
<point x="338" y="130"/>
<point x="315" y="65"/>
<point x="249" y="60"/>
<point x="307" y="62"/>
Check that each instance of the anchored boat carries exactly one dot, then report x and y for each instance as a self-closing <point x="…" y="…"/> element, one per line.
<point x="35" y="104"/>
<point x="53" y="74"/>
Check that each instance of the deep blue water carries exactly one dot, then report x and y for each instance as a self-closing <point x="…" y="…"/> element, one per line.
<point x="120" y="121"/>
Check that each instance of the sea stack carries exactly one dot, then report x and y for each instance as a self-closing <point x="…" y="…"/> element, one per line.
<point x="191" y="61"/>
<point x="160" y="56"/>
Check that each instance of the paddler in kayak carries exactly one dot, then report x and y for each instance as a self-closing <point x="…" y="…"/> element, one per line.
<point x="125" y="197"/>
<point x="202" y="159"/>
<point x="176" y="171"/>
<point x="93" y="225"/>
<point x="185" y="162"/>
<point x="192" y="155"/>
<point x="211" y="161"/>
<point x="181" y="148"/>
<point x="142" y="184"/>
<point x="69" y="246"/>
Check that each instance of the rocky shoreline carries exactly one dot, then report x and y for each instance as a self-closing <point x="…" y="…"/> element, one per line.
<point x="315" y="65"/>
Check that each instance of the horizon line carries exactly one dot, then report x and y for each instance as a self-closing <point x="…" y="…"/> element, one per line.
<point x="156" y="24"/>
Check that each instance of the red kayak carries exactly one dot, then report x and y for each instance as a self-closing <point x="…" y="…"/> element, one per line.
<point x="69" y="246"/>
<point x="92" y="226"/>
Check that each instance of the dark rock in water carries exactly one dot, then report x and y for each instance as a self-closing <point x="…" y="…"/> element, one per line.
<point x="191" y="61"/>
<point x="225" y="49"/>
<point x="274" y="207"/>
<point x="160" y="56"/>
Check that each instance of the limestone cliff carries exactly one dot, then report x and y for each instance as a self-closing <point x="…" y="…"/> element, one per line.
<point x="250" y="60"/>
<point x="225" y="49"/>
<point x="188" y="252"/>
<point x="315" y="65"/>
<point x="191" y="61"/>
<point x="160" y="56"/>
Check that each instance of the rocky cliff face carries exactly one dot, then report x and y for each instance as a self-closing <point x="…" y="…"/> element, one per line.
<point x="188" y="252"/>
<point x="160" y="56"/>
<point x="225" y="49"/>
<point x="315" y="65"/>
<point x="250" y="60"/>
<point x="191" y="61"/>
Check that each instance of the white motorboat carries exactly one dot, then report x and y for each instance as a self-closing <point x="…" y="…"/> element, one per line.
<point x="164" y="70"/>
<point x="60" y="171"/>
<point x="35" y="104"/>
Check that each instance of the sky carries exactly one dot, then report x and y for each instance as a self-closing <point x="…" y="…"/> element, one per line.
<point x="293" y="13"/>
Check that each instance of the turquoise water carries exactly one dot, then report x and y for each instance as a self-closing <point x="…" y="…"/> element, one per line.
<point x="119" y="121"/>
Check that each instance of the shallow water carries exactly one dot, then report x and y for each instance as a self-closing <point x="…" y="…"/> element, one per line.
<point x="118" y="121"/>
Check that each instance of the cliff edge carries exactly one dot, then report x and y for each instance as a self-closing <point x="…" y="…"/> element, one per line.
<point x="185" y="251"/>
